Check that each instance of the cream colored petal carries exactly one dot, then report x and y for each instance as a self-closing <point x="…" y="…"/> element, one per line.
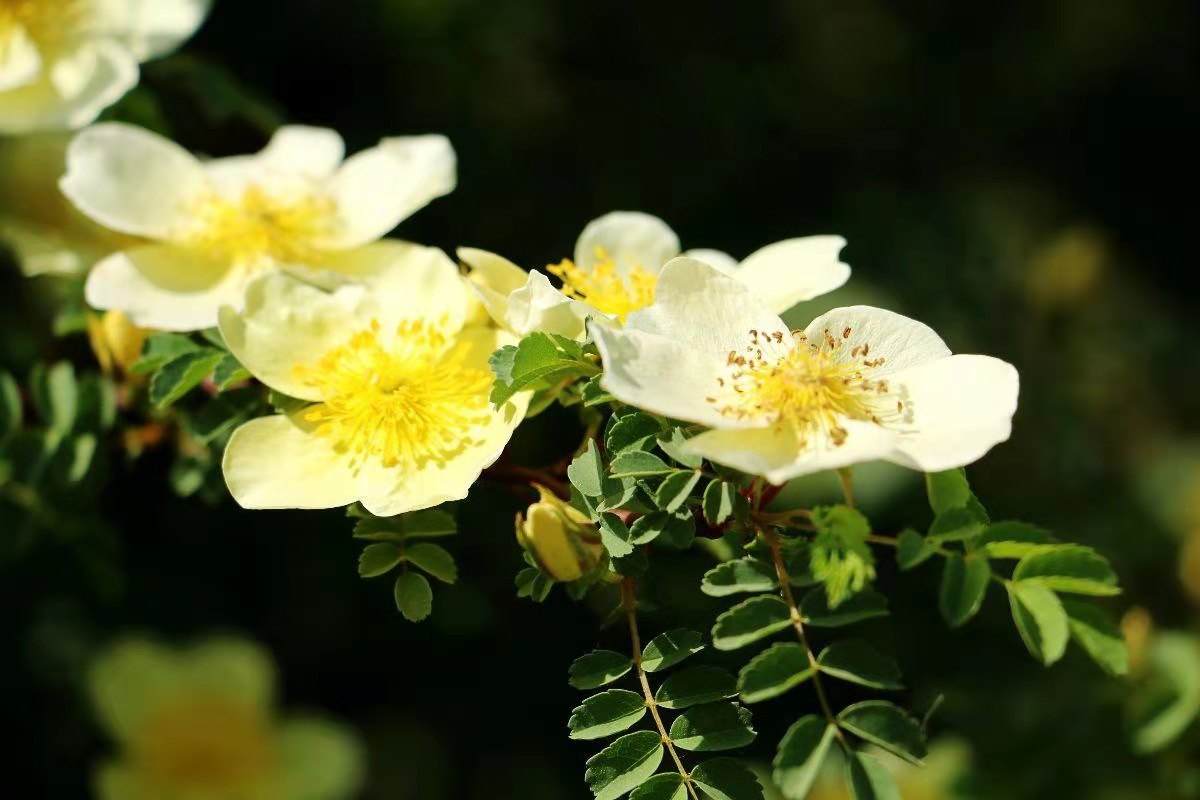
<point x="285" y="323"/>
<point x="630" y="238"/>
<point x="98" y="74"/>
<point x="779" y="456"/>
<point x="899" y="341"/>
<point x="163" y="287"/>
<point x="538" y="306"/>
<point x="131" y="180"/>
<point x="377" y="188"/>
<point x="315" y="153"/>
<point x="320" y="760"/>
<point x="281" y="462"/>
<point x="789" y="272"/>
<point x="717" y="259"/>
<point x="962" y="406"/>
<point x="128" y="681"/>
<point x="233" y="668"/>
<point x="21" y="63"/>
<point x="492" y="271"/>
<point x="149" y="28"/>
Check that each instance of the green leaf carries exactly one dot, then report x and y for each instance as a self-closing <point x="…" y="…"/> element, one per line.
<point x="801" y="755"/>
<point x="1170" y="701"/>
<point x="1098" y="636"/>
<point x="593" y="393"/>
<point x="912" y="550"/>
<point x="434" y="559"/>
<point x="55" y="395"/>
<point x="1040" y="619"/>
<point x="964" y="585"/>
<point x="182" y="374"/>
<point x="947" y="489"/>
<point x="285" y="404"/>
<point x="868" y="779"/>
<point x="638" y="464"/>
<point x="624" y="765"/>
<point x="378" y="559"/>
<point x="1068" y="568"/>
<point x="539" y="359"/>
<point x="749" y="621"/>
<point x="606" y="713"/>
<point x="598" y="668"/>
<point x="672" y="445"/>
<point x="885" y="724"/>
<point x="161" y="348"/>
<point x="719" y="502"/>
<point x="10" y="406"/>
<point x="727" y="779"/>
<point x="586" y="472"/>
<point x="676" y="530"/>
<point x="615" y="536"/>
<point x="228" y="372"/>
<point x="664" y="786"/>
<point x="213" y="336"/>
<point x="776" y="670"/>
<point x="674" y="490"/>
<point x="534" y="584"/>
<point x="858" y="662"/>
<point x="739" y="575"/>
<point x="1011" y="539"/>
<point x="631" y="430"/>
<point x="414" y="597"/>
<point x="695" y="685"/>
<point x="429" y="523"/>
<point x="668" y="649"/>
<point x="714" y="726"/>
<point x="957" y="524"/>
<point x="815" y="610"/>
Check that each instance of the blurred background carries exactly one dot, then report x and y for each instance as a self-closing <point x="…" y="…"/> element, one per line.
<point x="1015" y="177"/>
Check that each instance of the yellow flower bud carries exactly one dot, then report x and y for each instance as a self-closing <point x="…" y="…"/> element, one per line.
<point x="115" y="340"/>
<point x="563" y="542"/>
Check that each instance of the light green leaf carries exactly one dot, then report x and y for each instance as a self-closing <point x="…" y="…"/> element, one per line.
<point x="727" y="779"/>
<point x="774" y="671"/>
<point x="947" y="489"/>
<point x="638" y="464"/>
<point x="55" y="394"/>
<point x="815" y="610"/>
<point x="719" y="501"/>
<point x="674" y="490"/>
<point x="964" y="585"/>
<point x="714" y="726"/>
<point x="586" y="472"/>
<point x="668" y="649"/>
<point x="1011" y="539"/>
<point x="182" y="374"/>
<point x="631" y="430"/>
<point x="598" y="668"/>
<point x="868" y="779"/>
<point x="161" y="348"/>
<point x="434" y="559"/>
<point x="1040" y="619"/>
<point x="695" y="685"/>
<point x="615" y="536"/>
<point x="378" y="559"/>
<point x="672" y="445"/>
<point x="1068" y="568"/>
<point x="912" y="550"/>
<point x="593" y="393"/>
<point x="858" y="662"/>
<point x="665" y="786"/>
<point x="737" y="576"/>
<point x="10" y="406"/>
<point x="800" y="756"/>
<point x="539" y="359"/>
<point x="957" y="524"/>
<point x="749" y="621"/>
<point x="624" y="765"/>
<point x="1170" y="702"/>
<point x="885" y="724"/>
<point x="606" y="713"/>
<point x="1098" y="636"/>
<point x="414" y="597"/>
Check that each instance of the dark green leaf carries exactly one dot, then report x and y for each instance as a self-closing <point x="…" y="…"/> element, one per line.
<point x="10" y="406"/>
<point x="801" y="755"/>
<point x="598" y="668"/>
<point x="749" y="621"/>
<point x="606" y="713"/>
<point x="858" y="662"/>
<point x="414" y="597"/>
<point x="434" y="559"/>
<point x="885" y="724"/>
<point x="161" y="348"/>
<point x="668" y="649"/>
<point x="1040" y="619"/>
<point x="674" y="490"/>
<point x="624" y="765"/>
<point x="739" y="575"/>
<point x="665" y="786"/>
<point x="714" y="726"/>
<point x="947" y="489"/>
<point x="1098" y="636"/>
<point x="695" y="685"/>
<point x="1068" y="568"/>
<point x="964" y="585"/>
<point x="594" y="394"/>
<point x="631" y="430"/>
<point x="912" y="550"/>
<point x="956" y="525"/>
<point x="718" y="501"/>
<point x="229" y="372"/>
<point x="55" y="395"/>
<point x="727" y="779"/>
<point x="815" y="610"/>
<point x="182" y="374"/>
<point x="868" y="779"/>
<point x="377" y="559"/>
<point x="774" y="671"/>
<point x="534" y="584"/>
<point x="429" y="523"/>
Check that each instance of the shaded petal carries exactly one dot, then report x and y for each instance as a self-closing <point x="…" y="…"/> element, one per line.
<point x="900" y="341"/>
<point x="962" y="406"/>
<point x="538" y="306"/>
<point x="629" y="238"/>
<point x="717" y="259"/>
<point x="22" y="63"/>
<point x="315" y="153"/>
<point x="96" y="76"/>
<point x="789" y="272"/>
<point x="150" y="28"/>
<point x="319" y="759"/>
<point x="233" y="668"/>
<point x="131" y="180"/>
<point x="491" y="279"/>
<point x="129" y="680"/>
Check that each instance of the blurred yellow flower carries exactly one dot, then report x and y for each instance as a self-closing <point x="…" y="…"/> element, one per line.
<point x="115" y="340"/>
<point x="200" y="724"/>
<point x="62" y="62"/>
<point x="562" y="541"/>
<point x="1065" y="270"/>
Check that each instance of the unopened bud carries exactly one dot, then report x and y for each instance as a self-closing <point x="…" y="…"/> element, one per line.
<point x="563" y="542"/>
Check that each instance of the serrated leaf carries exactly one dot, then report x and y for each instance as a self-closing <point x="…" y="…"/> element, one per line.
<point x="434" y="559"/>
<point x="672" y="445"/>
<point x="598" y="668"/>
<point x="868" y="779"/>
<point x="886" y="725"/>
<point x="964" y="585"/>
<point x="182" y="374"/>
<point x="1068" y="568"/>
<point x="624" y="765"/>
<point x="606" y="713"/>
<point x="695" y="685"/>
<point x="1011" y="539"/>
<point x="229" y="372"/>
<point x="638" y="464"/>
<point x="665" y="786"/>
<point x="593" y="393"/>
<point x="378" y="559"/>
<point x="538" y="359"/>
<point x="615" y="536"/>
<point x="912" y="550"/>
<point x="718" y="502"/>
<point x="815" y="610"/>
<point x="776" y="670"/>
<point x="1098" y="636"/>
<point x="668" y="649"/>
<point x="801" y="755"/>
<point x="1040" y="619"/>
<point x="727" y="779"/>
<point x="414" y="596"/>
<point x="737" y="576"/>
<point x="858" y="662"/>
<point x="631" y="430"/>
<point x="713" y="726"/>
<point x="957" y="525"/>
<point x="429" y="523"/>
<point x="673" y="492"/>
<point x="749" y="621"/>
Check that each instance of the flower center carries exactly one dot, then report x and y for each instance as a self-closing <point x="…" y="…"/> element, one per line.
<point x="259" y="225"/>
<point x="207" y="742"/>
<point x="604" y="287"/>
<point x="49" y="23"/>
<point x="407" y="399"/>
<point x="811" y="388"/>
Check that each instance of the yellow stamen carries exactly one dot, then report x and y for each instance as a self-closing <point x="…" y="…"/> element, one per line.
<point x="288" y="227"/>
<point x="808" y="388"/>
<point x="406" y="400"/>
<point x="604" y="287"/>
<point x="49" y="23"/>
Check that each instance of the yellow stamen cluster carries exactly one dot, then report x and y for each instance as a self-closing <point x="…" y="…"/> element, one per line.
<point x="211" y="743"/>
<point x="287" y="227"/>
<point x="406" y="399"/>
<point x="49" y="23"/>
<point x="809" y="388"/>
<point x="604" y="287"/>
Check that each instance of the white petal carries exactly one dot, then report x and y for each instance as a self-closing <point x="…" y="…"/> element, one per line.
<point x="287" y="323"/>
<point x="777" y="455"/>
<point x="164" y="287"/>
<point x="630" y="238"/>
<point x="281" y="462"/>
<point x="131" y="180"/>
<point x="788" y="272"/>
<point x="492" y="271"/>
<point x="103" y="71"/>
<point x="538" y="306"/>
<point x="150" y="28"/>
<point x="315" y="153"/>
<point x="21" y="63"/>
<point x="900" y="341"/>
<point x="962" y="406"/>
<point x="717" y="259"/>
<point x="379" y="187"/>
